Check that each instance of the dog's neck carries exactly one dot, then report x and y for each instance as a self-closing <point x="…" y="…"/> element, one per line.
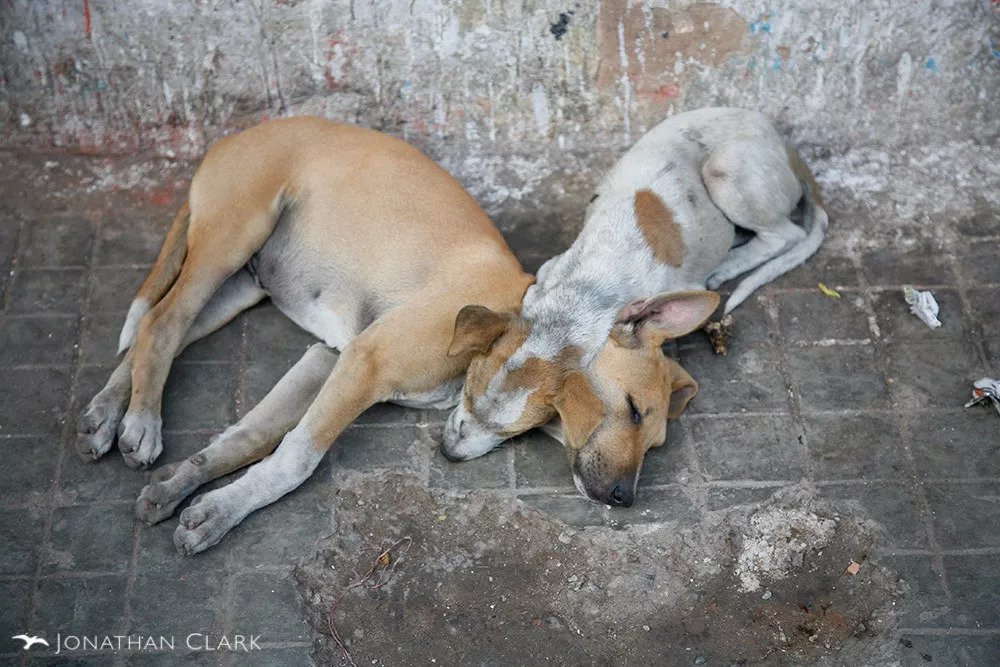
<point x="580" y="292"/>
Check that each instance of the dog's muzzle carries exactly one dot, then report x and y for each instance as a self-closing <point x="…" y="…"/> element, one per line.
<point x="465" y="439"/>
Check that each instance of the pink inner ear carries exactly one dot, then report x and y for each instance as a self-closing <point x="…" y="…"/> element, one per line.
<point x="671" y="314"/>
<point x="678" y="314"/>
<point x="630" y="311"/>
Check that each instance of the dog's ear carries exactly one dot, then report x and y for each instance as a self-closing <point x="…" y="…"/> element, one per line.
<point x="476" y="328"/>
<point x="662" y="317"/>
<point x="579" y="408"/>
<point x="683" y="388"/>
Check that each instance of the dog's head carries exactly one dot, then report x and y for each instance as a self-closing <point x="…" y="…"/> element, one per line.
<point x="508" y="389"/>
<point x="616" y="409"/>
<point x="610" y="412"/>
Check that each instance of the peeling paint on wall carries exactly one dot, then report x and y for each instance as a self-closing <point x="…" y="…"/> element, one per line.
<point x="659" y="43"/>
<point x="511" y="96"/>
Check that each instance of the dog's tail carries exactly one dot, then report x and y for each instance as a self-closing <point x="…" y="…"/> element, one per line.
<point x="160" y="279"/>
<point x="815" y="223"/>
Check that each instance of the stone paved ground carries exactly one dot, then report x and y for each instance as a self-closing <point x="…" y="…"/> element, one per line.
<point x="852" y="395"/>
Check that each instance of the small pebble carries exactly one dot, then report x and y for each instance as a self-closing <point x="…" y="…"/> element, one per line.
<point x="646" y="628"/>
<point x="700" y="660"/>
<point x="565" y="538"/>
<point x="766" y="595"/>
<point x="571" y="578"/>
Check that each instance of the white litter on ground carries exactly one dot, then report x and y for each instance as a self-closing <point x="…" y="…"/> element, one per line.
<point x="923" y="305"/>
<point x="775" y="542"/>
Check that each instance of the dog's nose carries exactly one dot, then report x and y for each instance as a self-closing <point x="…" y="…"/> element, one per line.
<point x="622" y="495"/>
<point x="448" y="455"/>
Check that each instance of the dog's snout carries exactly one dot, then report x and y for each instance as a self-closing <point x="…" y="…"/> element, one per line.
<point x="622" y="496"/>
<point x="445" y="452"/>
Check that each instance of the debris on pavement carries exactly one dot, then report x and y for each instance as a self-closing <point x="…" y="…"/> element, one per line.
<point x="923" y="305"/>
<point x="719" y="333"/>
<point x="827" y="291"/>
<point x="581" y="605"/>
<point x="853" y="568"/>
<point x="378" y="574"/>
<point x="985" y="390"/>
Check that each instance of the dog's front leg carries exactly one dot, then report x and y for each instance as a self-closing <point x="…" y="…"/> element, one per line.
<point x="355" y="383"/>
<point x="248" y="441"/>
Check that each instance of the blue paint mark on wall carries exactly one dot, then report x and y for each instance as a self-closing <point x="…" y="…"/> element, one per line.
<point x="931" y="64"/>
<point x="763" y="24"/>
<point x="777" y="64"/>
<point x="994" y="50"/>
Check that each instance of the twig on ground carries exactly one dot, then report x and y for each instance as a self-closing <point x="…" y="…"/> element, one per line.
<point x="382" y="568"/>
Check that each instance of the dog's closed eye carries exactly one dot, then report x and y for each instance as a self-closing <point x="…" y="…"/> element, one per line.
<point x="634" y="411"/>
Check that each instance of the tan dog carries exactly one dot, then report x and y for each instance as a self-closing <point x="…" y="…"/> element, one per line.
<point x="361" y="240"/>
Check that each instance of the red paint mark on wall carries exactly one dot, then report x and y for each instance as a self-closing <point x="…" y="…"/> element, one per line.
<point x="660" y="94"/>
<point x="86" y="16"/>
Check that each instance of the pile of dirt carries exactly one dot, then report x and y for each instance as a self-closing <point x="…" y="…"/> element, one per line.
<point x="488" y="581"/>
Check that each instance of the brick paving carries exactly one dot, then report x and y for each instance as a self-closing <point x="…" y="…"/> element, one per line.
<point x="853" y="395"/>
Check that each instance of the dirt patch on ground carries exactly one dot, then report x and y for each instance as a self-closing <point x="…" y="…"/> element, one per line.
<point x="490" y="581"/>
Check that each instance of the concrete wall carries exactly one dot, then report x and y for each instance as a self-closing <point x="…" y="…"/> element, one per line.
<point x="516" y="97"/>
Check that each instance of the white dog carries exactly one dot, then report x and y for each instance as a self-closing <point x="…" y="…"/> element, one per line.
<point x="659" y="230"/>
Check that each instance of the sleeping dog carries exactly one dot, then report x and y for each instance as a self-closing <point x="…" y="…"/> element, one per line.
<point x="357" y="237"/>
<point x="583" y="357"/>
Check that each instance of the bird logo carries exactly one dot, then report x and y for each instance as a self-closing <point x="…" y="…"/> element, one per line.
<point x="30" y="641"/>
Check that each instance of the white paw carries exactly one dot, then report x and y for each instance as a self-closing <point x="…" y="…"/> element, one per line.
<point x="204" y="523"/>
<point x="139" y="439"/>
<point x="168" y="486"/>
<point x="96" y="427"/>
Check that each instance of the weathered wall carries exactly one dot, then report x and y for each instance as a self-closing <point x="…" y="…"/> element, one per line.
<point x="514" y="96"/>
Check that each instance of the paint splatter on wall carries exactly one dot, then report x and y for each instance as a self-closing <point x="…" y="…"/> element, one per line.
<point x="465" y="79"/>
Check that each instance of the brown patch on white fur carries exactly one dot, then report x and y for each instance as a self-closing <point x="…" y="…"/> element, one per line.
<point x="544" y="377"/>
<point x="656" y="222"/>
<point x="482" y="369"/>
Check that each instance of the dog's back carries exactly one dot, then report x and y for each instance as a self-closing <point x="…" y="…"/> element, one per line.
<point x="710" y="170"/>
<point x="364" y="222"/>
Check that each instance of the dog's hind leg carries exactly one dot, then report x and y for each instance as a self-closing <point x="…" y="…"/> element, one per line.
<point x="753" y="185"/>
<point x="764" y="246"/>
<point x="226" y="229"/>
<point x="96" y="427"/>
<point x="251" y="439"/>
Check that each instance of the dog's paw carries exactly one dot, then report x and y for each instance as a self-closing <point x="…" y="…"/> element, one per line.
<point x="96" y="427"/>
<point x="715" y="281"/>
<point x="204" y="523"/>
<point x="168" y="486"/>
<point x="139" y="439"/>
